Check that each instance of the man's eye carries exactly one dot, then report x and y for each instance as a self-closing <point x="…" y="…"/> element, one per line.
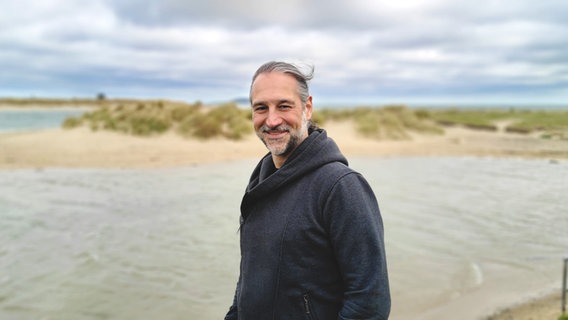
<point x="259" y="108"/>
<point x="285" y="106"/>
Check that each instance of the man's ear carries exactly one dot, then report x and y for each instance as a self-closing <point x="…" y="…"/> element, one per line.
<point x="309" y="108"/>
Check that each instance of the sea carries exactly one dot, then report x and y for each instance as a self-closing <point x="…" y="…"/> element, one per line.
<point x="24" y="119"/>
<point x="465" y="237"/>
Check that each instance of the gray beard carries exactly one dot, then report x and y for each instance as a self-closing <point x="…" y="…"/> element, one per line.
<point x="294" y="141"/>
<point x="290" y="146"/>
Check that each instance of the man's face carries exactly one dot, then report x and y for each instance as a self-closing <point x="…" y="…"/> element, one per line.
<point x="279" y="118"/>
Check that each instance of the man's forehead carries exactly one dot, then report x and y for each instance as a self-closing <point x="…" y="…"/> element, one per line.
<point x="274" y="78"/>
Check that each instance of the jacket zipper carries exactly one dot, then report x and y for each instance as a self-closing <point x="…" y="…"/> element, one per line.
<point x="307" y="303"/>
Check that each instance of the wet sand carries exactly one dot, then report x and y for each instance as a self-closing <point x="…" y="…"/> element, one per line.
<point x="548" y="307"/>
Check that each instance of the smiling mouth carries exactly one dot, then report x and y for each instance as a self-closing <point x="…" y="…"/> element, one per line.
<point x="275" y="133"/>
<point x="275" y="136"/>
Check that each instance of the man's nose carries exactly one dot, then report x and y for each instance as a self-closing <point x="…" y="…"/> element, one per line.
<point x="274" y="119"/>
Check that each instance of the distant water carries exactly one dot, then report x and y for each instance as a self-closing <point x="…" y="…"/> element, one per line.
<point x="33" y="119"/>
<point x="464" y="236"/>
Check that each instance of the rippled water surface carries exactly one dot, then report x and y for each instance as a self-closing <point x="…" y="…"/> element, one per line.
<point x="23" y="119"/>
<point x="462" y="234"/>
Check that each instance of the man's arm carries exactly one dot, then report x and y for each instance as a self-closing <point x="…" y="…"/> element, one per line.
<point x="356" y="233"/>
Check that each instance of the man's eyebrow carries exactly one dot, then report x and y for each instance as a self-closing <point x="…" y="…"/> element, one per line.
<point x="283" y="101"/>
<point x="258" y="103"/>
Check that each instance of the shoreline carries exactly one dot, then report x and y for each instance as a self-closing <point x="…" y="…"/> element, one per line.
<point x="547" y="306"/>
<point x="40" y="107"/>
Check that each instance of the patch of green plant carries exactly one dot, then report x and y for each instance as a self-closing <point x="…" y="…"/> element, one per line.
<point x="563" y="317"/>
<point x="553" y="123"/>
<point x="530" y="121"/>
<point x="235" y="123"/>
<point x="180" y="112"/>
<point x="145" y="126"/>
<point x="226" y="120"/>
<point x="390" y="122"/>
<point x="397" y="122"/>
<point x="481" y="119"/>
<point x="98" y="119"/>
<point x="328" y="114"/>
<point x="413" y="120"/>
<point x="72" y="122"/>
<point x="199" y="125"/>
<point x="318" y="118"/>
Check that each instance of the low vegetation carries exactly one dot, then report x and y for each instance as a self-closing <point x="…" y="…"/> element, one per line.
<point x="548" y="124"/>
<point x="153" y="118"/>
<point x="229" y="121"/>
<point x="390" y="122"/>
<point x="395" y="122"/>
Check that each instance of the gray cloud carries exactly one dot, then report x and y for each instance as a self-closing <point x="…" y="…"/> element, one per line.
<point x="408" y="49"/>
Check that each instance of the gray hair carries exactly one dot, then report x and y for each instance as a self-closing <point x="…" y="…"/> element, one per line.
<point x="290" y="69"/>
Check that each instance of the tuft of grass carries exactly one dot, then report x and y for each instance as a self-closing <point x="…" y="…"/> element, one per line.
<point x="180" y="112"/>
<point x="547" y="121"/>
<point x="141" y="118"/>
<point x="72" y="122"/>
<point x="226" y="121"/>
<point x="551" y="123"/>
<point x="156" y="117"/>
<point x="394" y="122"/>
<point x="471" y="118"/>
<point x="318" y="118"/>
<point x="200" y="126"/>
<point x="146" y="126"/>
<point x="398" y="122"/>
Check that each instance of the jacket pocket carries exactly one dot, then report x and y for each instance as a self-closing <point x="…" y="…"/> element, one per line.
<point x="308" y="308"/>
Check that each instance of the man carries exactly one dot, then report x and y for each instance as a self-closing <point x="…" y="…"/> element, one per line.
<point x="311" y="231"/>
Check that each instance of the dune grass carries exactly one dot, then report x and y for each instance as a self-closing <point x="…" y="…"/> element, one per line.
<point x="390" y="122"/>
<point x="149" y="118"/>
<point x="226" y="121"/>
<point x="394" y="122"/>
<point x="548" y="123"/>
<point x="471" y="118"/>
<point x="154" y="118"/>
<point x="551" y="123"/>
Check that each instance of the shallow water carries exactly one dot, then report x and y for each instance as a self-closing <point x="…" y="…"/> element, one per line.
<point x="467" y="236"/>
<point x="15" y="120"/>
<point x="463" y="235"/>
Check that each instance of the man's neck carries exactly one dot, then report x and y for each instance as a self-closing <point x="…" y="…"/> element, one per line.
<point x="278" y="161"/>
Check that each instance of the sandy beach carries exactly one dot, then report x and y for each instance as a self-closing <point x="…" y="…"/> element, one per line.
<point x="547" y="307"/>
<point x="84" y="148"/>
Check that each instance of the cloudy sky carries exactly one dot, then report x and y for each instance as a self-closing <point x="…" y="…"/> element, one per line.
<point x="364" y="51"/>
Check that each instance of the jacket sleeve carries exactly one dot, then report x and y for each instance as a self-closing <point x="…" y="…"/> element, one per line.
<point x="356" y="233"/>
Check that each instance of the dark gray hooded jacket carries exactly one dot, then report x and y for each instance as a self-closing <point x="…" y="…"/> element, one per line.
<point x="311" y="240"/>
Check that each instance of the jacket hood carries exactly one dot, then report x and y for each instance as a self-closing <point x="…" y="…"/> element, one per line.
<point x="315" y="151"/>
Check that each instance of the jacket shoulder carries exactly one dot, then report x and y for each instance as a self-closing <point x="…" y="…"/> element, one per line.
<point x="331" y="174"/>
